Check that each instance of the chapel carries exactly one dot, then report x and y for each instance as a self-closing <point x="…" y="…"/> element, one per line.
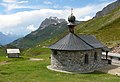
<point x="77" y="53"/>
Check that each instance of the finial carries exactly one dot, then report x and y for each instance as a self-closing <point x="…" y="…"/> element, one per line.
<point x="71" y="11"/>
<point x="71" y="18"/>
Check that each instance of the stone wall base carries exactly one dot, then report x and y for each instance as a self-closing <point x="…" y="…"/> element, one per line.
<point x="66" y="71"/>
<point x="77" y="69"/>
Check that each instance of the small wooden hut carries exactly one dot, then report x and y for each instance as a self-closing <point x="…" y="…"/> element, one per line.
<point x="13" y="53"/>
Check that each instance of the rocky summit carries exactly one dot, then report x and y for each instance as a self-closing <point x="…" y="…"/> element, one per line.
<point x="108" y="9"/>
<point x="51" y="20"/>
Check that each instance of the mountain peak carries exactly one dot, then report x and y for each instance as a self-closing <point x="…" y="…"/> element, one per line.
<point x="49" y="21"/>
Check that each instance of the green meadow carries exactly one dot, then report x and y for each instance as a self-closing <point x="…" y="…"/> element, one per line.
<point x="25" y="70"/>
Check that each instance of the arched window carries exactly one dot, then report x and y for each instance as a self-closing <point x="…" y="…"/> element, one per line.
<point x="95" y="56"/>
<point x="86" y="59"/>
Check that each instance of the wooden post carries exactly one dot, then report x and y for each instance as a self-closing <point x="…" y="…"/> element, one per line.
<point x="106" y="55"/>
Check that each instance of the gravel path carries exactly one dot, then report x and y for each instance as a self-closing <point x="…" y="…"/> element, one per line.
<point x="113" y="69"/>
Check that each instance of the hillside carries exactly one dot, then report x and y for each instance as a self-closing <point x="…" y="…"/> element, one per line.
<point x="2" y="51"/>
<point x="108" y="9"/>
<point x="48" y="29"/>
<point x="106" y="28"/>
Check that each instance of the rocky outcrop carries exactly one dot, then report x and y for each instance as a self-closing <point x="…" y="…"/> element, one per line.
<point x="108" y="9"/>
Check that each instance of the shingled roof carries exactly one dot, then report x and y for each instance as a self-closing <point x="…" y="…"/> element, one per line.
<point x="74" y="42"/>
<point x="91" y="40"/>
<point x="71" y="42"/>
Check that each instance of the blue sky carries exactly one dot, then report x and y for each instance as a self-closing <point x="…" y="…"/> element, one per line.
<point x="23" y="16"/>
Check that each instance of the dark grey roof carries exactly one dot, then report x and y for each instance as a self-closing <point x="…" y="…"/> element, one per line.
<point x="91" y="40"/>
<point x="82" y="42"/>
<point x="71" y="42"/>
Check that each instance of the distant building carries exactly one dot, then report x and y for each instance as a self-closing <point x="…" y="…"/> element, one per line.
<point x="13" y="53"/>
<point x="75" y="53"/>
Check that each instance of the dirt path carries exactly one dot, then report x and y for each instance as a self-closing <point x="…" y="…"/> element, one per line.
<point x="4" y="62"/>
<point x="35" y="59"/>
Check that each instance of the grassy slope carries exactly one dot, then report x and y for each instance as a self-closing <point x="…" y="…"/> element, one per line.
<point x="2" y="52"/>
<point x="106" y="28"/>
<point x="24" y="70"/>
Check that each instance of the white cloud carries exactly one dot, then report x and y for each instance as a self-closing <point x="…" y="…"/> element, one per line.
<point x="16" y="6"/>
<point x="9" y="33"/>
<point x="9" y="20"/>
<point x="48" y="2"/>
<point x="14" y="1"/>
<point x="9" y="1"/>
<point x="86" y="18"/>
<point x="21" y="2"/>
<point x="13" y="4"/>
<point x="25" y="22"/>
<point x="31" y="28"/>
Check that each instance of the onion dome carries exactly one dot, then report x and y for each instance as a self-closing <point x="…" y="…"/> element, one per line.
<point x="71" y="18"/>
